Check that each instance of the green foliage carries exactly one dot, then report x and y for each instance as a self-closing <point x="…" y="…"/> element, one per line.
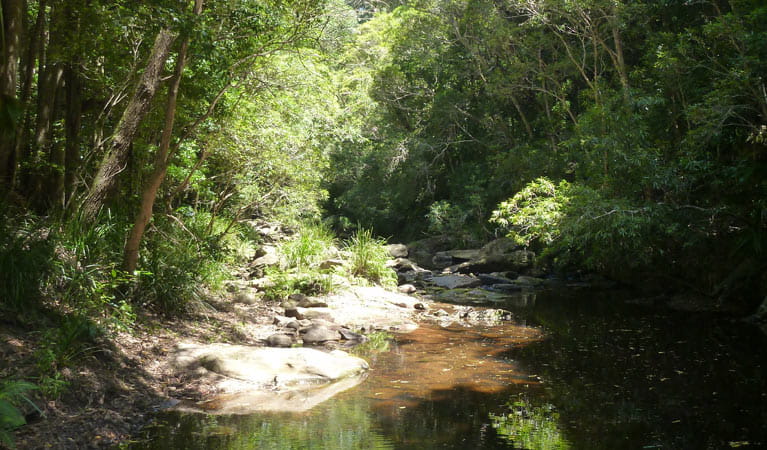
<point x="60" y="346"/>
<point x="313" y="243"/>
<point x="25" y="257"/>
<point x="578" y="227"/>
<point x="534" y="213"/>
<point x="308" y="281"/>
<point x="530" y="426"/>
<point x="368" y="257"/>
<point x="445" y="218"/>
<point x="299" y="270"/>
<point x="184" y="257"/>
<point x="12" y="393"/>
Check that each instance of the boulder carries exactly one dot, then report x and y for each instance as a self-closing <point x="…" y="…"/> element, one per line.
<point x="441" y="260"/>
<point x="465" y="255"/>
<point x="490" y="279"/>
<point x="331" y="264"/>
<point x="246" y="298"/>
<point x="294" y="399"/>
<point x="407" y="289"/>
<point x="456" y="281"/>
<point x="318" y="334"/>
<point x="505" y="287"/>
<point x="424" y="250"/>
<point x="398" y="250"/>
<point x="258" y="367"/>
<point x="308" y="313"/>
<point x="516" y="260"/>
<point x="284" y="322"/>
<point x="529" y="281"/>
<point x="279" y="340"/>
<point x="270" y="257"/>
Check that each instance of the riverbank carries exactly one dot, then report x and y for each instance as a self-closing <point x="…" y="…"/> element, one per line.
<point x="113" y="390"/>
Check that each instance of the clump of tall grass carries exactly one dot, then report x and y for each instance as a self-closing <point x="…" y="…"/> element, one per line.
<point x="312" y="244"/>
<point x="368" y="258"/>
<point x="183" y="256"/>
<point x="299" y="270"/>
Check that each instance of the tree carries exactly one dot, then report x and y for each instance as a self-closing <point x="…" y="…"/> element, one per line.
<point x="115" y="159"/>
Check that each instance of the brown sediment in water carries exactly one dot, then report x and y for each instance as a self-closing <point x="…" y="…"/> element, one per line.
<point x="434" y="359"/>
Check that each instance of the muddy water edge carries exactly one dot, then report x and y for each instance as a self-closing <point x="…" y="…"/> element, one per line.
<point x="576" y="369"/>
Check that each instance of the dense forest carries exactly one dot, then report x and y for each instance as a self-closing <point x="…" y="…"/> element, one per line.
<point x="141" y="141"/>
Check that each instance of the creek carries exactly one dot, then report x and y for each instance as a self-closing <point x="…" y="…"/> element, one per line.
<point x="577" y="369"/>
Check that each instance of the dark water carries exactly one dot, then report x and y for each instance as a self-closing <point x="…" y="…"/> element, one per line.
<point x="576" y="369"/>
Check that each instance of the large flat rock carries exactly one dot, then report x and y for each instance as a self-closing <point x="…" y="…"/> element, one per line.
<point x="456" y="281"/>
<point x="244" y="367"/>
<point x="285" y="400"/>
<point x="372" y="307"/>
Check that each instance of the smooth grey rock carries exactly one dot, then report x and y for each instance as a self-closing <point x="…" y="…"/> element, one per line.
<point x="270" y="257"/>
<point x="407" y="289"/>
<point x="465" y="255"/>
<point x="505" y="287"/>
<point x="398" y="250"/>
<point x="528" y="281"/>
<point x="350" y="335"/>
<point x="317" y="334"/>
<point x="279" y="340"/>
<point x="258" y="366"/>
<point x="456" y="281"/>
<point x="246" y="298"/>
<point x="490" y="279"/>
<point x="282" y="321"/>
<point x="331" y="264"/>
<point x="441" y="260"/>
<point x="279" y="398"/>
<point x="312" y="303"/>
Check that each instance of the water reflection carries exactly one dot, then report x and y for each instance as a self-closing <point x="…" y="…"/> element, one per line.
<point x="588" y="372"/>
<point x="626" y="377"/>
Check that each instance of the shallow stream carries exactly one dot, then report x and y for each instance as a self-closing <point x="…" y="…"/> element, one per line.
<point x="574" y="369"/>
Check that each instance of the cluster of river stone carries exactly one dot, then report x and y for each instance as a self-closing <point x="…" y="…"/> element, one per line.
<point x="480" y="275"/>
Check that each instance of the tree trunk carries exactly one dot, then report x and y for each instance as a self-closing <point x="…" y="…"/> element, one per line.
<point x="72" y="123"/>
<point x="12" y="24"/>
<point x="34" y="49"/>
<point x="116" y="157"/>
<point x="149" y="194"/>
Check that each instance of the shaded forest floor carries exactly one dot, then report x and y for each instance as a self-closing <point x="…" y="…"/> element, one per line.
<point x="115" y="386"/>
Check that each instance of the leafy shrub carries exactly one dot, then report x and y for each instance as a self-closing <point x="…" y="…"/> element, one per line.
<point x="445" y="218"/>
<point x="183" y="256"/>
<point x="368" y="258"/>
<point x="60" y="347"/>
<point x="576" y="226"/>
<point x="25" y="263"/>
<point x="534" y="213"/>
<point x="12" y="393"/>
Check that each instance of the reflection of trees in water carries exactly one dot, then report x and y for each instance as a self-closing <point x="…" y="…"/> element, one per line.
<point x="345" y="424"/>
<point x="621" y="375"/>
<point x="529" y="425"/>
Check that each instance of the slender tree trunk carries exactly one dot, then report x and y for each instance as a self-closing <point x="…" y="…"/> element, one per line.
<point x="50" y="154"/>
<point x="117" y="154"/>
<point x="72" y="123"/>
<point x="12" y="25"/>
<point x="162" y="158"/>
<point x="34" y="49"/>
